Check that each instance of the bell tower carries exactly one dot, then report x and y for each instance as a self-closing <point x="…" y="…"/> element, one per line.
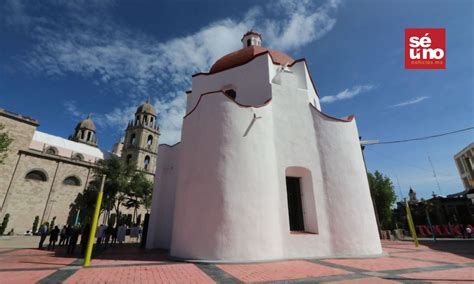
<point x="85" y="132"/>
<point x="140" y="146"/>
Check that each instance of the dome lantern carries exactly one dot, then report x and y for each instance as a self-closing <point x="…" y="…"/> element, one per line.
<point x="251" y="38"/>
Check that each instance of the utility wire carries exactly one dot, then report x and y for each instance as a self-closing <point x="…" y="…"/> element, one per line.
<point x="422" y="138"/>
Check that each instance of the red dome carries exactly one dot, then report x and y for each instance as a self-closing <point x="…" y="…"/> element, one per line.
<point x="245" y="55"/>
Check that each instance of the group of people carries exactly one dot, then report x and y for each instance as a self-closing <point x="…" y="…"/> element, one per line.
<point x="69" y="235"/>
<point x="108" y="234"/>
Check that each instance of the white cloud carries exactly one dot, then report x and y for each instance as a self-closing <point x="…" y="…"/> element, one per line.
<point x="71" y="108"/>
<point x="348" y="93"/>
<point x="411" y="102"/>
<point x="86" y="41"/>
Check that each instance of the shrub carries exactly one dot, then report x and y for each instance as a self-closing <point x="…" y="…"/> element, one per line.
<point x="4" y="224"/>
<point x="35" y="224"/>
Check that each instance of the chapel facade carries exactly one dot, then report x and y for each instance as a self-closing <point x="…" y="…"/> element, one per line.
<point x="261" y="172"/>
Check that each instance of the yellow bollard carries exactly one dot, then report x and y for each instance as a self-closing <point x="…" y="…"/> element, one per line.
<point x="411" y="225"/>
<point x="95" y="219"/>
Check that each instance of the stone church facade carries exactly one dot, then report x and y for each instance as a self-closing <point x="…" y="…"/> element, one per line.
<point x="43" y="174"/>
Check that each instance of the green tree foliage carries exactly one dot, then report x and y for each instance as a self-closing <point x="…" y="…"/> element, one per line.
<point x="4" y="224"/>
<point x="384" y="197"/>
<point x="138" y="192"/>
<point x="5" y="142"/>
<point x="123" y="187"/>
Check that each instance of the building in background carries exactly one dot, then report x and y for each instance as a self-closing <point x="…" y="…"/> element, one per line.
<point x="43" y="174"/>
<point x="261" y="172"/>
<point x="465" y="164"/>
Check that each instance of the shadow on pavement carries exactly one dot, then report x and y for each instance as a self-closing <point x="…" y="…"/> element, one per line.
<point x="463" y="248"/>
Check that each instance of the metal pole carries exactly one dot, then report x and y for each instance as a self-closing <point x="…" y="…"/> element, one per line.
<point x="429" y="224"/>
<point x="411" y="225"/>
<point x="434" y="174"/>
<point x="95" y="219"/>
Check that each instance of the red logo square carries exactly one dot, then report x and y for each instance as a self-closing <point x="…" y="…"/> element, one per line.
<point x="425" y="48"/>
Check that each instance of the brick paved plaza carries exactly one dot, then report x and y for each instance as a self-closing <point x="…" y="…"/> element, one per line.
<point x="442" y="262"/>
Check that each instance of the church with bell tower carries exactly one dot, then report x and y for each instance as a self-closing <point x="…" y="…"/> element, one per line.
<point x="140" y="145"/>
<point x="44" y="173"/>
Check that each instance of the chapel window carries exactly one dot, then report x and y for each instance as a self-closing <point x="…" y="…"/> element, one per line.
<point x="231" y="93"/>
<point x="36" y="175"/>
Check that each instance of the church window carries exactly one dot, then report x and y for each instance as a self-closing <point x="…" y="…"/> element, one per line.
<point x="77" y="157"/>
<point x="149" y="140"/>
<point x="146" y="162"/>
<point x="231" y="93"/>
<point x="82" y="134"/>
<point x="72" y="180"/>
<point x="89" y="136"/>
<point x="133" y="139"/>
<point x="36" y="175"/>
<point x="51" y="151"/>
<point x="249" y="42"/>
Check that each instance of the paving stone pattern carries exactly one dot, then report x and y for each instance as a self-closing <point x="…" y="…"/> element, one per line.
<point x="441" y="262"/>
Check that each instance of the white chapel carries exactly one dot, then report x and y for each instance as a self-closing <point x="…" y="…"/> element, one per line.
<point x="261" y="173"/>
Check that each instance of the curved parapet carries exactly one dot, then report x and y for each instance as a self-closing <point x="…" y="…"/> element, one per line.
<point x="351" y="215"/>
<point x="225" y="209"/>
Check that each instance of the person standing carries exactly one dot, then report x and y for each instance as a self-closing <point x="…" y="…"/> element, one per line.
<point x="72" y="240"/>
<point x="114" y="235"/>
<point x="121" y="234"/>
<point x="69" y="230"/>
<point x="53" y="238"/>
<point x="85" y="238"/>
<point x="62" y="236"/>
<point x="108" y="234"/>
<point x="44" y="233"/>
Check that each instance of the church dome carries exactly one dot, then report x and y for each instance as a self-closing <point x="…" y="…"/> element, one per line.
<point x="86" y="124"/>
<point x="146" y="108"/>
<point x="252" y="42"/>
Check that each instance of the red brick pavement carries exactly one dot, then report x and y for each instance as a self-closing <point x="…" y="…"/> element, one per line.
<point x="28" y="277"/>
<point x="283" y="270"/>
<point x="169" y="273"/>
<point x="380" y="264"/>
<point x="459" y="275"/>
<point x="370" y="280"/>
<point x="435" y="256"/>
<point x="434" y="262"/>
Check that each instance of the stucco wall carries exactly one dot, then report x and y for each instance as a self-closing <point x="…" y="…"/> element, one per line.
<point x="231" y="201"/>
<point x="163" y="198"/>
<point x="251" y="82"/>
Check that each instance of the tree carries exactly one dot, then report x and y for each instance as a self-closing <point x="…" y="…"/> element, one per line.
<point x="35" y="224"/>
<point x="4" y="224"/>
<point x="124" y="186"/>
<point x="384" y="197"/>
<point x="5" y="142"/>
<point x="138" y="193"/>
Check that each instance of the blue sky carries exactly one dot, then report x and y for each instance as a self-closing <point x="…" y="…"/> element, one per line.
<point x="60" y="60"/>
